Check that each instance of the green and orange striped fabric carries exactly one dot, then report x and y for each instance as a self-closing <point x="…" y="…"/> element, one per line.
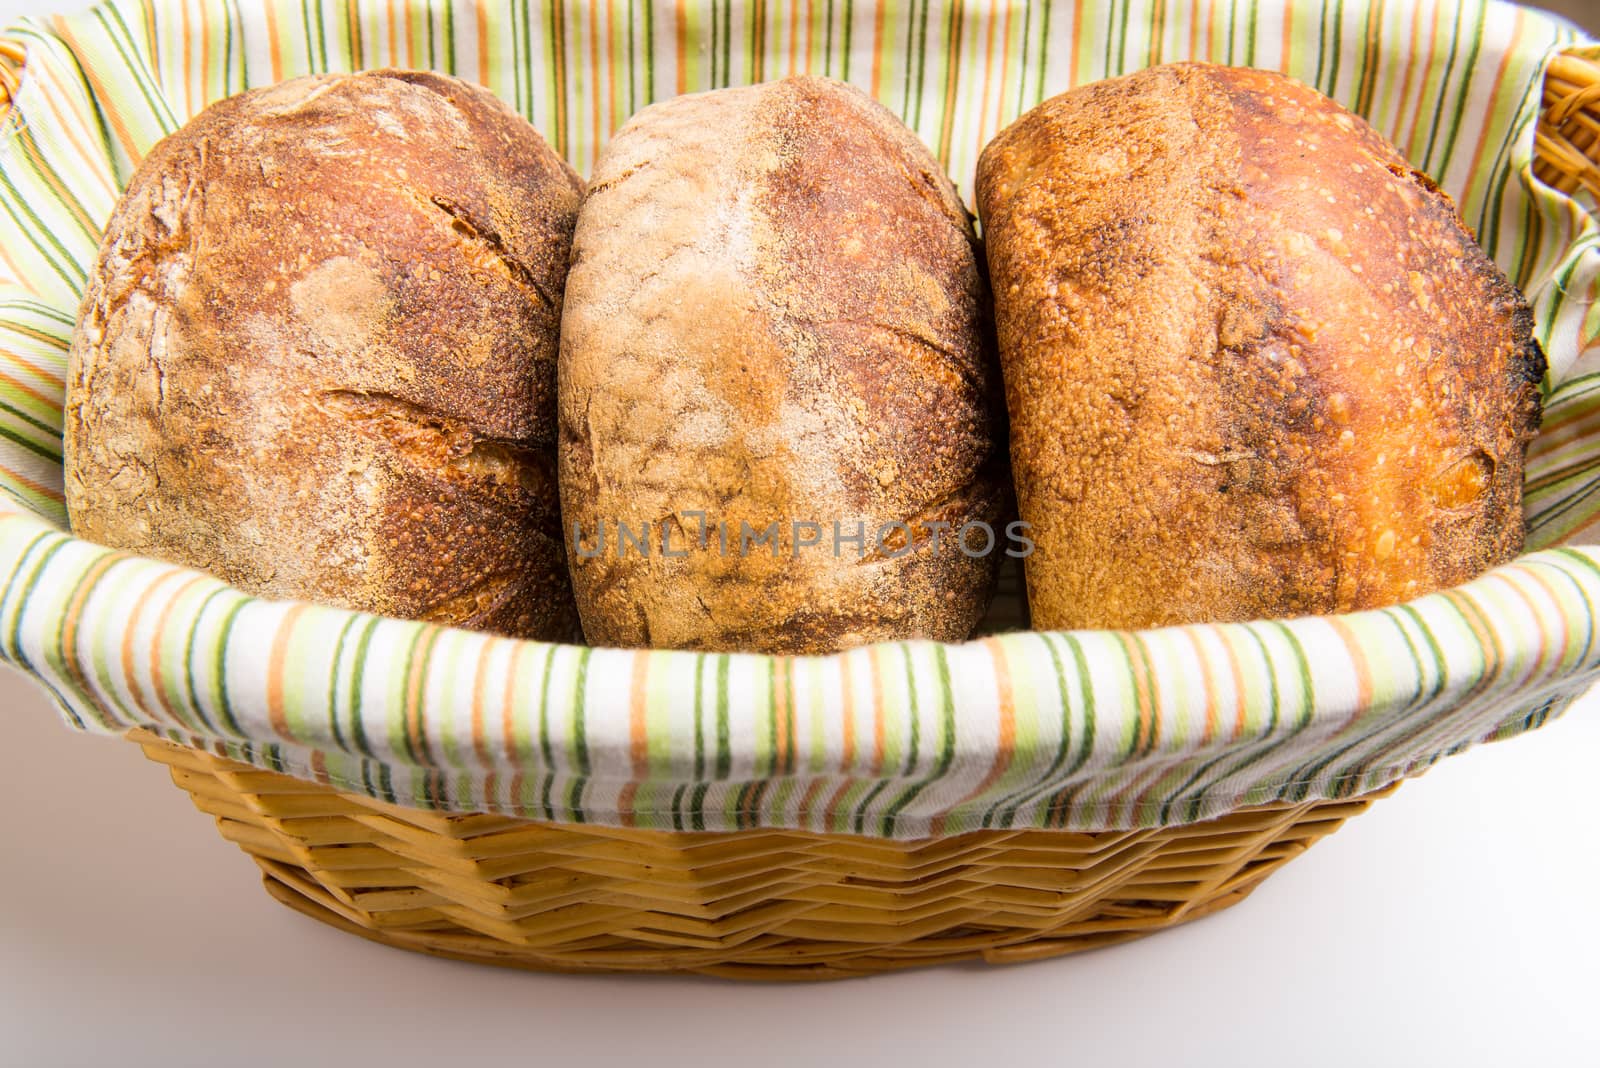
<point x="1088" y="730"/>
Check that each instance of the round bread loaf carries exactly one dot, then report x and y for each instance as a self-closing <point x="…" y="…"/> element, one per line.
<point x="1255" y="365"/>
<point x="317" y="354"/>
<point x="776" y="315"/>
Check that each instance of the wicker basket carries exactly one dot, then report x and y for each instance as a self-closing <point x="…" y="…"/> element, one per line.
<point x="750" y="904"/>
<point x="768" y="903"/>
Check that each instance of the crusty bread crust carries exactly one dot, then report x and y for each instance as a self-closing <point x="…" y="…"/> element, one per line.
<point x="316" y="356"/>
<point x="1255" y="365"/>
<point x="776" y="312"/>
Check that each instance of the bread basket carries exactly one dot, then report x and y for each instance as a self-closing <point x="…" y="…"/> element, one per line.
<point x="1020" y="796"/>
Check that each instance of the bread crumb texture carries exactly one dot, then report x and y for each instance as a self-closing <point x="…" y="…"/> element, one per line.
<point x="777" y="312"/>
<point x="316" y="356"/>
<point x="1255" y="365"/>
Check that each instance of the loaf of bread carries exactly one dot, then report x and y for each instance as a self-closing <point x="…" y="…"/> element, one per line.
<point x="777" y="315"/>
<point x="317" y="354"/>
<point x="1254" y="363"/>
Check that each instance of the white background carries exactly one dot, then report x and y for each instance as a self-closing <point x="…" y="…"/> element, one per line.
<point x="1457" y="923"/>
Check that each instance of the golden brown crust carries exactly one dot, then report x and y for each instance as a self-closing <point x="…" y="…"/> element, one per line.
<point x="317" y="354"/>
<point x="776" y="313"/>
<point x="1255" y="365"/>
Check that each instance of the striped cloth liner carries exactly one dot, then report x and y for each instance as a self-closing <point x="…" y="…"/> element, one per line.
<point x="1089" y="730"/>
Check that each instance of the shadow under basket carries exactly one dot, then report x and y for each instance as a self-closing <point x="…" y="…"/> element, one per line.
<point x="760" y="904"/>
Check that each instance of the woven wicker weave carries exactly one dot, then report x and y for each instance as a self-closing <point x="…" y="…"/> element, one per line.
<point x="749" y="905"/>
<point x="1567" y="143"/>
<point x="764" y="903"/>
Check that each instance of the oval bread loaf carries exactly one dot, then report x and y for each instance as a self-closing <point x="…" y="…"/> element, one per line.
<point x="1255" y="365"/>
<point x="316" y="356"/>
<point x="776" y="315"/>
